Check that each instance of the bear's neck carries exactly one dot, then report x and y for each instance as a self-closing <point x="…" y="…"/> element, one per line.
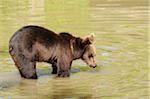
<point x="78" y="50"/>
<point x="77" y="54"/>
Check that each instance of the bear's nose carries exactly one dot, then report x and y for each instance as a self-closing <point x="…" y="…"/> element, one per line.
<point x="93" y="65"/>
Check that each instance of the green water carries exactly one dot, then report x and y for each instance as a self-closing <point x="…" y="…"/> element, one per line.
<point x="121" y="29"/>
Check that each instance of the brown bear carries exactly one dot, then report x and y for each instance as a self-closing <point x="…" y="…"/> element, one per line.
<point x="32" y="44"/>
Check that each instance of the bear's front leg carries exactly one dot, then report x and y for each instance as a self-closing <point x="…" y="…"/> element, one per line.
<point x="64" y="69"/>
<point x="63" y="73"/>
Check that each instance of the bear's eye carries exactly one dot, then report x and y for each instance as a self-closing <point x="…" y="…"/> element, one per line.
<point x="90" y="56"/>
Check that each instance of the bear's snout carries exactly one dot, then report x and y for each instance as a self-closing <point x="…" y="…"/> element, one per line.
<point x="93" y="65"/>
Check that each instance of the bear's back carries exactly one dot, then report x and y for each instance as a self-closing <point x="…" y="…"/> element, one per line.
<point x="30" y="34"/>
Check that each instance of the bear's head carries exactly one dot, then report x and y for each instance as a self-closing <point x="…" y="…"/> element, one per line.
<point x="89" y="54"/>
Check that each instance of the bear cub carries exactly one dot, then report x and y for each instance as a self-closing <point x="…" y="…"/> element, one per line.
<point x="32" y="44"/>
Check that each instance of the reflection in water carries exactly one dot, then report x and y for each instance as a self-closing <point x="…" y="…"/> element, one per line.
<point x="54" y="88"/>
<point x="26" y="89"/>
<point x="69" y="89"/>
<point x="121" y="29"/>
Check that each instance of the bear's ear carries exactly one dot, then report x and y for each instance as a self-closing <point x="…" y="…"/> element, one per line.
<point x="88" y="39"/>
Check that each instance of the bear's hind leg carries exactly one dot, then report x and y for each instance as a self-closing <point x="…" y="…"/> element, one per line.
<point x="28" y="71"/>
<point x="26" y="68"/>
<point x="54" y="68"/>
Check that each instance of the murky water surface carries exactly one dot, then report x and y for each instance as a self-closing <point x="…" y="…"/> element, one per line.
<point x="121" y="30"/>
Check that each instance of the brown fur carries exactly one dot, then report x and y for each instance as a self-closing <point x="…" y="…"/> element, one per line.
<point x="32" y="44"/>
